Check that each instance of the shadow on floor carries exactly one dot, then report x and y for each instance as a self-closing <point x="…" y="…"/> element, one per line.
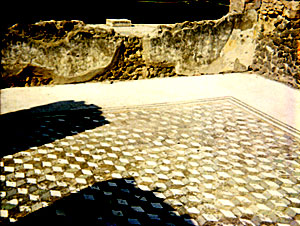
<point x="44" y="124"/>
<point x="113" y="202"/>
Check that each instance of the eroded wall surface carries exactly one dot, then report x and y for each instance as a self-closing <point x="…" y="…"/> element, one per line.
<point x="56" y="51"/>
<point x="224" y="45"/>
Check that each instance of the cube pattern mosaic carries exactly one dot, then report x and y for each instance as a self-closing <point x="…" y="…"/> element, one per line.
<point x="208" y="162"/>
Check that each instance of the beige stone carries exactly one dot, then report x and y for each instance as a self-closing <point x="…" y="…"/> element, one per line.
<point x="237" y="6"/>
<point x="118" y="22"/>
<point x="291" y="9"/>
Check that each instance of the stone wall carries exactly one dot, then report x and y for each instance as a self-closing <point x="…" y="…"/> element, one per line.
<point x="58" y="52"/>
<point x="69" y="51"/>
<point x="276" y="54"/>
<point x="132" y="66"/>
<point x="257" y="35"/>
<point x="213" y="46"/>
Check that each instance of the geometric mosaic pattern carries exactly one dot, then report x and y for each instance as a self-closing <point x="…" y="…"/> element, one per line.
<point x="209" y="162"/>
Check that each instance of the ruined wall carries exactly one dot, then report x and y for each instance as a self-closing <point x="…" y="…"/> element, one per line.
<point x="276" y="54"/>
<point x="132" y="66"/>
<point x="257" y="35"/>
<point x="59" y="52"/>
<point x="193" y="48"/>
<point x="69" y="51"/>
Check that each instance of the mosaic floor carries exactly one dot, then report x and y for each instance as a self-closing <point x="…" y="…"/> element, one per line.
<point x="208" y="162"/>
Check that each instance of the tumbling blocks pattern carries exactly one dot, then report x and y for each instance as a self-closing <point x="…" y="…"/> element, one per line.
<point x="213" y="162"/>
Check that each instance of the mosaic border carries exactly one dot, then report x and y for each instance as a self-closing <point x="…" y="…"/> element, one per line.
<point x="264" y="116"/>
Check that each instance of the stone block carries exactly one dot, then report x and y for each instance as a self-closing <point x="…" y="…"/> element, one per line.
<point x="4" y="213"/>
<point x="243" y="212"/>
<point x="252" y="4"/>
<point x="118" y="22"/>
<point x="293" y="212"/>
<point x="207" y="219"/>
<point x="237" y="6"/>
<point x="228" y="214"/>
<point x="291" y="9"/>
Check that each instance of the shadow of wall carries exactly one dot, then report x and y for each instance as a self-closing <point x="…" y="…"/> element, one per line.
<point x="113" y="202"/>
<point x="44" y="124"/>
